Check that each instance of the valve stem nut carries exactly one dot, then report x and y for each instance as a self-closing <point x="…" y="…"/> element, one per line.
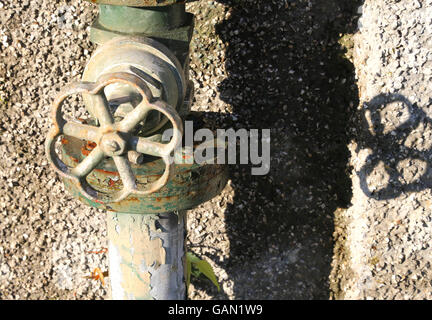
<point x="113" y="144"/>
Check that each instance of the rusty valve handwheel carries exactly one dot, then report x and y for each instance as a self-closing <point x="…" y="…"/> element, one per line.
<point x="113" y="139"/>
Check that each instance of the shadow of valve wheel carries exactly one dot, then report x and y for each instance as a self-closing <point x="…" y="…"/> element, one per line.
<point x="393" y="150"/>
<point x="113" y="139"/>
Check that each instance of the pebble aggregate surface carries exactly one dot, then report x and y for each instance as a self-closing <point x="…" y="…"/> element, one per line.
<point x="345" y="209"/>
<point x="388" y="226"/>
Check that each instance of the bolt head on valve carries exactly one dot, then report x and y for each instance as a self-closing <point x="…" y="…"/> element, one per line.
<point x="113" y="145"/>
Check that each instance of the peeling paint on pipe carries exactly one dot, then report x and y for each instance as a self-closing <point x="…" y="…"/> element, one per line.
<point x="146" y="256"/>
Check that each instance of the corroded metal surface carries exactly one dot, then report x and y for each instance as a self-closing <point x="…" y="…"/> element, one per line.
<point x="146" y="256"/>
<point x="140" y="3"/>
<point x="112" y="139"/>
<point x="189" y="186"/>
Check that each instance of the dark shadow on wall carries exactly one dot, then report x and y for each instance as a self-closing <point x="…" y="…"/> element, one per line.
<point x="393" y="120"/>
<point x="287" y="72"/>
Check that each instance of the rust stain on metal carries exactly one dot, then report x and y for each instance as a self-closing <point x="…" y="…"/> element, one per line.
<point x="91" y="145"/>
<point x="64" y="141"/>
<point x="74" y="159"/>
<point x="111" y="183"/>
<point x="113" y="173"/>
<point x="88" y="147"/>
<point x="85" y="152"/>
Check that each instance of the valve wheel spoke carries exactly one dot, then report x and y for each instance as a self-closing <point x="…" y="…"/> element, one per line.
<point x="125" y="172"/>
<point x="157" y="149"/>
<point x="101" y="108"/>
<point x="89" y="163"/>
<point x="146" y="146"/>
<point x="134" y="117"/>
<point x="81" y="131"/>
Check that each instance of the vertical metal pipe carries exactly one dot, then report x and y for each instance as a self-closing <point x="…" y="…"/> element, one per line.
<point x="146" y="252"/>
<point x="147" y="256"/>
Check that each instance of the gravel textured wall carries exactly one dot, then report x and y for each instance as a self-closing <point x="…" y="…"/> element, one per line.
<point x="44" y="233"/>
<point x="255" y="64"/>
<point x="388" y="227"/>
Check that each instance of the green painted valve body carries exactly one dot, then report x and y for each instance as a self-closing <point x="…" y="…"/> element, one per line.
<point x="171" y="26"/>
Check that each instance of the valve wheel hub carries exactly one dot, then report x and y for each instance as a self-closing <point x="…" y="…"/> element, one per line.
<point x="112" y="144"/>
